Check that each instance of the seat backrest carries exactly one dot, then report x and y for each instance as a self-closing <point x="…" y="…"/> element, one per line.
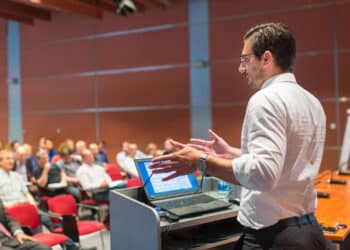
<point x="25" y="214"/>
<point x="114" y="172"/>
<point x="134" y="182"/>
<point x="62" y="204"/>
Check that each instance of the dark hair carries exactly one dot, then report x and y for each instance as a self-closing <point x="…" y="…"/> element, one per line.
<point x="278" y="39"/>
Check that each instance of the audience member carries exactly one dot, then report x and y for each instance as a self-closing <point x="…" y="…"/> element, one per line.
<point x="50" y="148"/>
<point x="129" y="165"/>
<point x="93" y="176"/>
<point x="12" y="236"/>
<point x="20" y="164"/>
<point x="151" y="150"/>
<point x="13" y="189"/>
<point x="48" y="173"/>
<point x="80" y="146"/>
<point x="94" y="150"/>
<point x="120" y="157"/>
<point x="102" y="155"/>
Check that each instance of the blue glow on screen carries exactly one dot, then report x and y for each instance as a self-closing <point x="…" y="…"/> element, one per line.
<point x="154" y="186"/>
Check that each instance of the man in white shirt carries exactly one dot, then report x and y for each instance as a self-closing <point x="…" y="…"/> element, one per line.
<point x="282" y="144"/>
<point x="129" y="165"/>
<point x="13" y="189"/>
<point x="93" y="176"/>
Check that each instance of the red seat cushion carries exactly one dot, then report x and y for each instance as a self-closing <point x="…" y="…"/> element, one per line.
<point x="134" y="182"/>
<point x="58" y="230"/>
<point x="50" y="239"/>
<point x="86" y="227"/>
<point x="88" y="202"/>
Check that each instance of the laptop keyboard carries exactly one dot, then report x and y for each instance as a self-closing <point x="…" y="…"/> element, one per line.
<point x="186" y="201"/>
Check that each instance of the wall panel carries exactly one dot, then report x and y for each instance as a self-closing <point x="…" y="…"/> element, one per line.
<point x="228" y="85"/>
<point x="331" y="133"/>
<point x="226" y="36"/>
<point x="3" y="95"/>
<point x="143" y="127"/>
<point x="144" y="88"/>
<point x="228" y="123"/>
<point x="240" y="9"/>
<point x="4" y="128"/>
<point x="58" y="127"/>
<point x="55" y="94"/>
<point x="342" y="25"/>
<point x="344" y="75"/>
<point x="316" y="74"/>
<point x="143" y="49"/>
<point x="330" y="160"/>
<point x="58" y="58"/>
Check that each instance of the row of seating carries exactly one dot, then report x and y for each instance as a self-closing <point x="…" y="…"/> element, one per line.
<point x="63" y="210"/>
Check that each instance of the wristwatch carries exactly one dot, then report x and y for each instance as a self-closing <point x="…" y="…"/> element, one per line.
<point x="201" y="163"/>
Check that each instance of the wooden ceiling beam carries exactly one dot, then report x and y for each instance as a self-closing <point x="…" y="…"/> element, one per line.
<point x="17" y="9"/>
<point x="159" y="3"/>
<point x="74" y="6"/>
<point x="104" y="4"/>
<point x="21" y="19"/>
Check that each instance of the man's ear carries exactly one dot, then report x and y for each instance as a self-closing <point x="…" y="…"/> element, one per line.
<point x="267" y="57"/>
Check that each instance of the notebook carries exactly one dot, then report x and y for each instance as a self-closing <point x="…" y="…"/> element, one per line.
<point x="180" y="196"/>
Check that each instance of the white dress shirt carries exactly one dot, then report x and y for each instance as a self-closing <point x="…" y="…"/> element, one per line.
<point x="283" y="138"/>
<point x="12" y="187"/>
<point x="91" y="177"/>
<point x="129" y="167"/>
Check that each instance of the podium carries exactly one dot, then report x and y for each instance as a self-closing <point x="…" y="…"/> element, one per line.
<point x="136" y="225"/>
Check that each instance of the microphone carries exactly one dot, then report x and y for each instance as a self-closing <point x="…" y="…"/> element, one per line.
<point x="336" y="181"/>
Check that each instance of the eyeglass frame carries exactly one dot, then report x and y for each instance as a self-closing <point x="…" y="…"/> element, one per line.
<point x="244" y="58"/>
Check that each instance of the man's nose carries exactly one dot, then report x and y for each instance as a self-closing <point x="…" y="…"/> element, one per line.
<point x="241" y="68"/>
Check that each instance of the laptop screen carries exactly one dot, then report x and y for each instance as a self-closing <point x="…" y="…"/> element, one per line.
<point x="156" y="188"/>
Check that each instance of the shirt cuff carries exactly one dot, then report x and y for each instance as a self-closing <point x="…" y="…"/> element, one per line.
<point x="239" y="169"/>
<point x="17" y="232"/>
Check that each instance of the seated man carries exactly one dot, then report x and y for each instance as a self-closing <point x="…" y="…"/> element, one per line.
<point x="47" y="174"/>
<point x="69" y="166"/>
<point x="129" y="165"/>
<point x="12" y="236"/>
<point x="24" y="167"/>
<point x="93" y="176"/>
<point x="94" y="150"/>
<point x="13" y="189"/>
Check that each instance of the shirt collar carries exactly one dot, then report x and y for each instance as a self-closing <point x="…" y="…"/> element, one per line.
<point x="2" y="171"/>
<point x="283" y="77"/>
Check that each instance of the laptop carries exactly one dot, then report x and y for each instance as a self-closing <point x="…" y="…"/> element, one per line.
<point x="180" y="196"/>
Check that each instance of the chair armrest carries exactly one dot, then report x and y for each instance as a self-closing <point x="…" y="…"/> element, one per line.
<point x="96" y="190"/>
<point x="94" y="207"/>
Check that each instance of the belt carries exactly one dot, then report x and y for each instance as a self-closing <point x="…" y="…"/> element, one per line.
<point x="291" y="221"/>
<point x="294" y="221"/>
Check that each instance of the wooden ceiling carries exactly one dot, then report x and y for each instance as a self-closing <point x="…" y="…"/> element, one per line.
<point x="27" y="11"/>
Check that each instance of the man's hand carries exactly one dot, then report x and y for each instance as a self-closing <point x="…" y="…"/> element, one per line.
<point x="217" y="145"/>
<point x="181" y="161"/>
<point x="21" y="237"/>
<point x="104" y="184"/>
<point x="47" y="166"/>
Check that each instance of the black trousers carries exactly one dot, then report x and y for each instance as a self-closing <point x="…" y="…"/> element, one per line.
<point x="297" y="233"/>
<point x="12" y="244"/>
